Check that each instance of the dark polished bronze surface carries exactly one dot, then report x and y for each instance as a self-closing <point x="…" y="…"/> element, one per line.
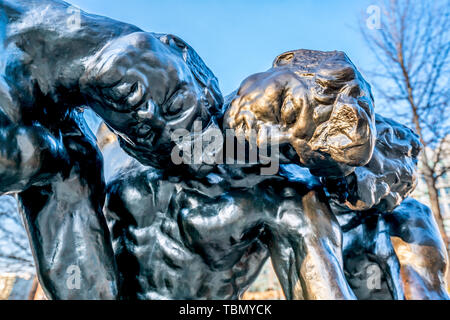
<point x="203" y="229"/>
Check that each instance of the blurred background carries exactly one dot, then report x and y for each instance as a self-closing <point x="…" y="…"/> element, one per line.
<point x="401" y="47"/>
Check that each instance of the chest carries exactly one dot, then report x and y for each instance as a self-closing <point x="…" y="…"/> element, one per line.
<point x="219" y="229"/>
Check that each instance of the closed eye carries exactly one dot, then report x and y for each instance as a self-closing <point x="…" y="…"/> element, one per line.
<point x="174" y="103"/>
<point x="136" y="94"/>
<point x="124" y="89"/>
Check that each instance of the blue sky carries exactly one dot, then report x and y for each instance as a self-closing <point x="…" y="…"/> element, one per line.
<point x="237" y="38"/>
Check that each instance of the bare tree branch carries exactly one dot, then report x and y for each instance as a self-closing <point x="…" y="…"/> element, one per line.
<point x="412" y="75"/>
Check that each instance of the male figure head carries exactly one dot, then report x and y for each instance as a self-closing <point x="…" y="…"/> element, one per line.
<point x="315" y="104"/>
<point x="145" y="86"/>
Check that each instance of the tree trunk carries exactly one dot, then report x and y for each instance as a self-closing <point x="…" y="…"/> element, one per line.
<point x="435" y="207"/>
<point x="431" y="181"/>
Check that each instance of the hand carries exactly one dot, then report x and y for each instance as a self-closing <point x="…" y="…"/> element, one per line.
<point x="29" y="155"/>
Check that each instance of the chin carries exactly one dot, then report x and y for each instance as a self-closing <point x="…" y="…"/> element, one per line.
<point x="154" y="156"/>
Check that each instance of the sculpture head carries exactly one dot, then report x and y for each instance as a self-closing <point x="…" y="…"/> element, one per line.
<point x="389" y="177"/>
<point x="145" y="86"/>
<point x="317" y="106"/>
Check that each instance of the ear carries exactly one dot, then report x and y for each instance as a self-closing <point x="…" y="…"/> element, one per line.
<point x="173" y="42"/>
<point x="201" y="72"/>
<point x="283" y="59"/>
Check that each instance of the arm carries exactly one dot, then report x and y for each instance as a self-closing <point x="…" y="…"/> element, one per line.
<point x="60" y="190"/>
<point x="305" y="247"/>
<point x="143" y="85"/>
<point x="68" y="233"/>
<point x="420" y="250"/>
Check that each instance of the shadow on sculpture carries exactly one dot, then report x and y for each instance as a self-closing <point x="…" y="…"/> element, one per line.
<point x="203" y="229"/>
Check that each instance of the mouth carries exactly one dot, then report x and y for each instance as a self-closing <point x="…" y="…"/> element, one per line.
<point x="145" y="136"/>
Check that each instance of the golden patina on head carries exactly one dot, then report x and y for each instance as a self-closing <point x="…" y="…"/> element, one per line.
<point x="315" y="103"/>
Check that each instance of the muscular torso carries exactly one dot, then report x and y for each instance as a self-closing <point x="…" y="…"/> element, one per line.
<point x="205" y="239"/>
<point x="175" y="243"/>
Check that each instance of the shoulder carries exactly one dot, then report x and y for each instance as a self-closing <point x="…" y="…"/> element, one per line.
<point x="132" y="192"/>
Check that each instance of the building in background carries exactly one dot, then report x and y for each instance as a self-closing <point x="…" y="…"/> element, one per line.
<point x="17" y="272"/>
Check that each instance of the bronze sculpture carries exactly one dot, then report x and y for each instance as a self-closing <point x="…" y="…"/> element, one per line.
<point x="197" y="230"/>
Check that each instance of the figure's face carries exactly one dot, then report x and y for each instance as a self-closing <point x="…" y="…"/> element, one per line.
<point x="143" y="89"/>
<point x="322" y="112"/>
